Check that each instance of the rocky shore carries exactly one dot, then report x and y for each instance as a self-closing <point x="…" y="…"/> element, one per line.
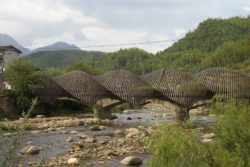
<point x="85" y="141"/>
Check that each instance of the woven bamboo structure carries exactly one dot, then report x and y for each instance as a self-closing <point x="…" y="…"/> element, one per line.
<point x="127" y="86"/>
<point x="225" y="82"/>
<point x="82" y="87"/>
<point x="181" y="88"/>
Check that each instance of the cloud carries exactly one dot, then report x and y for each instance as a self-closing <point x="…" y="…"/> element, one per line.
<point x="36" y="23"/>
<point x="247" y="9"/>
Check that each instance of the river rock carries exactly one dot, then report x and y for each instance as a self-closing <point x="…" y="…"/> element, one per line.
<point x="35" y="132"/>
<point x="110" y="153"/>
<point x="95" y="128"/>
<point x="7" y="134"/>
<point x="90" y="140"/>
<point x="118" y="133"/>
<point x="129" y="118"/>
<point x="208" y="136"/>
<point x="30" y="150"/>
<point x="69" y="139"/>
<point x="29" y="142"/>
<point x="206" y="140"/>
<point x="51" y="129"/>
<point x="40" y="116"/>
<point x="73" y="161"/>
<point x="199" y="111"/>
<point x="114" y="117"/>
<point x="81" y="123"/>
<point x="82" y="135"/>
<point x="77" y="145"/>
<point x="73" y="132"/>
<point x="131" y="160"/>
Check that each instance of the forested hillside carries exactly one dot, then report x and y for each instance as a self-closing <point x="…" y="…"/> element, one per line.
<point x="215" y="42"/>
<point x="61" y="59"/>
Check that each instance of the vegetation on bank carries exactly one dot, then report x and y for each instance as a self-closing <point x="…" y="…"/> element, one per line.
<point x="175" y="145"/>
<point x="25" y="79"/>
<point x="215" y="42"/>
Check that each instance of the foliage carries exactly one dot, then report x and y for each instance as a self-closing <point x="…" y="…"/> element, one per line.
<point x="69" y="108"/>
<point x="24" y="78"/>
<point x="173" y="145"/>
<point x="9" y="145"/>
<point x="132" y="59"/>
<point x="61" y="59"/>
<point x="82" y="66"/>
<point x="232" y="147"/>
<point x="53" y="71"/>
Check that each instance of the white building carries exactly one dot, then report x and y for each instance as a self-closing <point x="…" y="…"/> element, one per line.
<point x="7" y="54"/>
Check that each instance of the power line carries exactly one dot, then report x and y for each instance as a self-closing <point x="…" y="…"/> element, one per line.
<point x="114" y="45"/>
<point x="127" y="44"/>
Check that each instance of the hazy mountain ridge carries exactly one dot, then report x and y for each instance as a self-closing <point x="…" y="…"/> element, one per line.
<point x="57" y="46"/>
<point x="5" y="39"/>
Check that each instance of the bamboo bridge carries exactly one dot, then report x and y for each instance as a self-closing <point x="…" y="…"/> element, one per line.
<point x="175" y="86"/>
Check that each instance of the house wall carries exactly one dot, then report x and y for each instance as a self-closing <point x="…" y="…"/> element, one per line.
<point x="10" y="55"/>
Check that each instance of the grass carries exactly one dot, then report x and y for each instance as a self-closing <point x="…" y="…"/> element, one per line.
<point x="175" y="145"/>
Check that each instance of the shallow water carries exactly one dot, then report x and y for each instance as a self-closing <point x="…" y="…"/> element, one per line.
<point x="54" y="143"/>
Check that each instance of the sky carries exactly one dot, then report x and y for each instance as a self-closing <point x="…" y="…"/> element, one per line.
<point x="90" y="23"/>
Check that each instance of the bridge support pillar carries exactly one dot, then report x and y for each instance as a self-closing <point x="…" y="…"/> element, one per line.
<point x="182" y="115"/>
<point x="101" y="113"/>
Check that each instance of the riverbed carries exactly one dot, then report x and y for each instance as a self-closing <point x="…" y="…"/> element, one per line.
<point x="56" y="148"/>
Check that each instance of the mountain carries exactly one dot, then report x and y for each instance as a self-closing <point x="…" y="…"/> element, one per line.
<point x="8" y="40"/>
<point x="61" y="58"/>
<point x="57" y="46"/>
<point x="214" y="43"/>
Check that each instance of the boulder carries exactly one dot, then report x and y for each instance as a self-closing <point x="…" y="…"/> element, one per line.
<point x="30" y="150"/>
<point x="73" y="132"/>
<point x="131" y="160"/>
<point x="69" y="139"/>
<point x="208" y="136"/>
<point x="206" y="140"/>
<point x="95" y="128"/>
<point x="73" y="161"/>
<point x="40" y="116"/>
<point x="129" y="118"/>
<point x="118" y="133"/>
<point x="77" y="145"/>
<point x="90" y="140"/>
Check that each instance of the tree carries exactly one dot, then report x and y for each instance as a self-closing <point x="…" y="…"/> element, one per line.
<point x="82" y="66"/>
<point x="24" y="78"/>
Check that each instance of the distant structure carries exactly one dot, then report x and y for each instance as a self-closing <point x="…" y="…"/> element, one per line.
<point x="7" y="54"/>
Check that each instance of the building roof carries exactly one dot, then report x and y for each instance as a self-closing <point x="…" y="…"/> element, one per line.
<point x="10" y="47"/>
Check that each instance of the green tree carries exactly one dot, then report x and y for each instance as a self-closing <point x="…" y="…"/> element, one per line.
<point x="25" y="79"/>
<point x="82" y="66"/>
<point x="53" y="71"/>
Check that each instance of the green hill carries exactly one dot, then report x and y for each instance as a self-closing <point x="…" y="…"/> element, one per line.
<point x="132" y="59"/>
<point x="61" y="59"/>
<point x="215" y="42"/>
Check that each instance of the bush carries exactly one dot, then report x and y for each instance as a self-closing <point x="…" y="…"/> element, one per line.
<point x="173" y="145"/>
<point x="24" y="78"/>
<point x="232" y="145"/>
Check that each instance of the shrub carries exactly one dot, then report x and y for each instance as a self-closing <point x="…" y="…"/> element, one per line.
<point x="175" y="145"/>
<point x="24" y="78"/>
